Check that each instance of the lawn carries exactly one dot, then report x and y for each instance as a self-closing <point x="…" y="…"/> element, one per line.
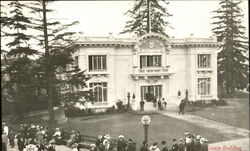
<point x="129" y="124"/>
<point x="236" y="113"/>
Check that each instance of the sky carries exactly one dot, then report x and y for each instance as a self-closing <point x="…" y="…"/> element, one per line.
<point x="99" y="18"/>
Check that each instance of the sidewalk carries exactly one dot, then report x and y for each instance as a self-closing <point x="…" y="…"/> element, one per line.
<point x="228" y="131"/>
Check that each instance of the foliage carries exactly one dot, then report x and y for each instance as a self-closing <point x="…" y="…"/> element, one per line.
<point x="17" y="70"/>
<point x="232" y="58"/>
<point x="60" y="56"/>
<point x="138" y="14"/>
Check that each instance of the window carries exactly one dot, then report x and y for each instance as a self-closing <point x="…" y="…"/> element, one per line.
<point x="204" y="86"/>
<point x="150" y="61"/>
<point x="76" y="61"/>
<point x="204" y="60"/>
<point x="97" y="62"/>
<point x="99" y="91"/>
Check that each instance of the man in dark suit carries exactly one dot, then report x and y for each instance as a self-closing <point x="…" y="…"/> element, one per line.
<point x="164" y="147"/>
<point x="121" y="144"/>
<point x="142" y="103"/>
<point x="175" y="146"/>
<point x="21" y="143"/>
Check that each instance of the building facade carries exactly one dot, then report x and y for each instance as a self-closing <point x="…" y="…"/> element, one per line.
<point x="148" y="66"/>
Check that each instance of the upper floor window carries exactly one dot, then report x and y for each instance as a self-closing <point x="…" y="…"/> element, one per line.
<point x="150" y="61"/>
<point x="97" y="62"/>
<point x="204" y="60"/>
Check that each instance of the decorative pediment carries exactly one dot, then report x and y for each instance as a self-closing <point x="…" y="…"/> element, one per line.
<point x="152" y="43"/>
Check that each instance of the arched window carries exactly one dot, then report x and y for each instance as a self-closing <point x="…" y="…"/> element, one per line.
<point x="204" y="86"/>
<point x="99" y="91"/>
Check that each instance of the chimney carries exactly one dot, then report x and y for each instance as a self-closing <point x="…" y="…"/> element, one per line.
<point x="111" y="35"/>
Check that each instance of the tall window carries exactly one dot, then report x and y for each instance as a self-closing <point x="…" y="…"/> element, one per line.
<point x="100" y="91"/>
<point x="204" y="86"/>
<point x="204" y="60"/>
<point x="97" y="62"/>
<point x="76" y="61"/>
<point x="150" y="61"/>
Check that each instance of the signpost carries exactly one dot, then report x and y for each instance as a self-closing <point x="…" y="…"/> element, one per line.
<point x="145" y="121"/>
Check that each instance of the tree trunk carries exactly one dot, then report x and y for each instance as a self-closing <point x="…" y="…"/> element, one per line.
<point x="48" y="70"/>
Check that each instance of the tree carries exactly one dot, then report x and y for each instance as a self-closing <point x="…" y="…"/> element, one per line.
<point x="17" y="55"/>
<point x="55" y="38"/>
<point x="143" y="17"/>
<point x="232" y="58"/>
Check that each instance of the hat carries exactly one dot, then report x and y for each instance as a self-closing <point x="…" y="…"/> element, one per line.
<point x="202" y="139"/>
<point x="107" y="136"/>
<point x="205" y="140"/>
<point x="187" y="133"/>
<point x="52" y="141"/>
<point x="121" y="136"/>
<point x="198" y="137"/>
<point x="57" y="129"/>
<point x="181" y="139"/>
<point x="163" y="142"/>
<point x="92" y="145"/>
<point x="3" y="123"/>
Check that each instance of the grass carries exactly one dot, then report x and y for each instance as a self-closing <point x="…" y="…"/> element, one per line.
<point x="236" y="113"/>
<point x="129" y="125"/>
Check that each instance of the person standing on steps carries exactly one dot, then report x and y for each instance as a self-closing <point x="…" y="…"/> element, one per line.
<point x="142" y="103"/>
<point x="159" y="104"/>
<point x="164" y="103"/>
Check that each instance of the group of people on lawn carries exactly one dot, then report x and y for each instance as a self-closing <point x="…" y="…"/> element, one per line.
<point x="38" y="137"/>
<point x="35" y="136"/>
<point x="105" y="143"/>
<point x="189" y="143"/>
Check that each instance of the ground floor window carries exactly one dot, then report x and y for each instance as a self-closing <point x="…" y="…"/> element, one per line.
<point x="204" y="86"/>
<point x="150" y="92"/>
<point x="99" y="91"/>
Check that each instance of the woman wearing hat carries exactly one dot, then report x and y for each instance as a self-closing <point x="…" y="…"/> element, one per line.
<point x="121" y="144"/>
<point x="71" y="139"/>
<point x="92" y="147"/>
<point x="154" y="147"/>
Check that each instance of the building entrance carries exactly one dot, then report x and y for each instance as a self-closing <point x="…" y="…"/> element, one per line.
<point x="150" y="92"/>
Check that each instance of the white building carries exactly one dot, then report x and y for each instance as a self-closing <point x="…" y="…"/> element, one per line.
<point x="151" y="63"/>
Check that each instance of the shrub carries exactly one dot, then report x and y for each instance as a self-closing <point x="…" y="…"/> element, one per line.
<point x="110" y="109"/>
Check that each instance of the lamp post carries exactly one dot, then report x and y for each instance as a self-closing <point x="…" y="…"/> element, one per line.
<point x="128" y="100"/>
<point x="145" y="121"/>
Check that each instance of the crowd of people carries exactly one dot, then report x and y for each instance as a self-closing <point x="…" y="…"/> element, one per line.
<point x="39" y="137"/>
<point x="189" y="143"/>
<point x="43" y="139"/>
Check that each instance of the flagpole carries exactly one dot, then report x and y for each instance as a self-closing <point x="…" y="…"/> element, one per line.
<point x="148" y="17"/>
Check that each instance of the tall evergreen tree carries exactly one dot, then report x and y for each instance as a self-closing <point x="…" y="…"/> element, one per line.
<point x="17" y="56"/>
<point x="59" y="56"/>
<point x="232" y="58"/>
<point x="140" y="17"/>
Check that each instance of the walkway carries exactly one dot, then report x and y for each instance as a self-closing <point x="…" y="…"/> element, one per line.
<point x="228" y="131"/>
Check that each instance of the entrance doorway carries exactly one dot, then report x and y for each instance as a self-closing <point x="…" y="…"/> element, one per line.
<point x="150" y="92"/>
